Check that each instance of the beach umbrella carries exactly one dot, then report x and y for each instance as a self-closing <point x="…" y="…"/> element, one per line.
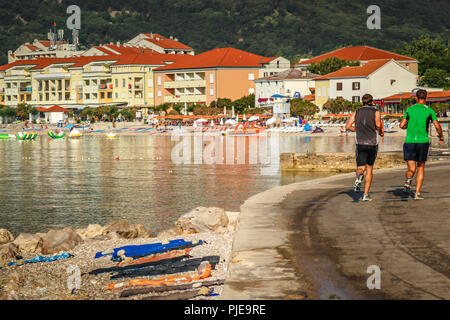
<point x="221" y="121"/>
<point x="253" y="118"/>
<point x="237" y="117"/>
<point x="212" y="123"/>
<point x="244" y="118"/>
<point x="232" y="111"/>
<point x="195" y="124"/>
<point x="201" y="120"/>
<point x="271" y="120"/>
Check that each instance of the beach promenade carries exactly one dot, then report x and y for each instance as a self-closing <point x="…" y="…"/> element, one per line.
<point x="316" y="240"/>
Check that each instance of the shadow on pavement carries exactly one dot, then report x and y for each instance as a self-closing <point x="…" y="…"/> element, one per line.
<point x="399" y="193"/>
<point x="355" y="196"/>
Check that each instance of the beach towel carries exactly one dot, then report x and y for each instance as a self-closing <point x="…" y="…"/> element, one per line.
<point x="138" y="251"/>
<point x="44" y="259"/>
<point x="167" y="268"/>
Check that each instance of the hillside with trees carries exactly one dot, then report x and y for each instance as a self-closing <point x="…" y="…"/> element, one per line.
<point x="291" y="28"/>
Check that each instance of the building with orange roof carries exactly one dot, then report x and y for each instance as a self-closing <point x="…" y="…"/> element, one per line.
<point x="363" y="54"/>
<point x="42" y="49"/>
<point x="379" y="78"/>
<point x="391" y="103"/>
<point x="161" y="44"/>
<point x="76" y="82"/>
<point x="218" y="73"/>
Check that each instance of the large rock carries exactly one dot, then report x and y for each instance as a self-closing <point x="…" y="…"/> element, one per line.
<point x="92" y="231"/>
<point x="28" y="243"/>
<point x="203" y="219"/>
<point x="8" y="253"/>
<point x="59" y="240"/>
<point x="5" y="236"/>
<point x="124" y="229"/>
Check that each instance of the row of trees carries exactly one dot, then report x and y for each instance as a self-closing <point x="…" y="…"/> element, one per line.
<point x="241" y="106"/>
<point x="21" y="112"/>
<point x="110" y="113"/>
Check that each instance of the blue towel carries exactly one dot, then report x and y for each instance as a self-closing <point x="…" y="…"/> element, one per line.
<point x="145" y="249"/>
<point x="64" y="255"/>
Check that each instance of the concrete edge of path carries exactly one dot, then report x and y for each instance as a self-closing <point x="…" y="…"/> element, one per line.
<point x="260" y="265"/>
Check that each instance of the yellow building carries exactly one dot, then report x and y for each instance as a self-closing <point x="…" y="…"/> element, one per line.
<point x="321" y="93"/>
<point x="77" y="82"/>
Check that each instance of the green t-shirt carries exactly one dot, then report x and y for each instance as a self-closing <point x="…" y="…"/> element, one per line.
<point x="419" y="117"/>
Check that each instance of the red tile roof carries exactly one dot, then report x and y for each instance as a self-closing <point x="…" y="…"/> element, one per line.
<point x="222" y="57"/>
<point x="432" y="95"/>
<point x="359" y="71"/>
<point x="154" y="58"/>
<point x="166" y="43"/>
<point x="361" y="53"/>
<point x="53" y="109"/>
<point x="32" y="48"/>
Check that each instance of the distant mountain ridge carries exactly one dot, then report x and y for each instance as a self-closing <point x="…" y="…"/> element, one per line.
<point x="291" y="28"/>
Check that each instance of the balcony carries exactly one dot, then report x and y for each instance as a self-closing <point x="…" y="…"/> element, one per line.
<point x="185" y="84"/>
<point x="186" y="98"/>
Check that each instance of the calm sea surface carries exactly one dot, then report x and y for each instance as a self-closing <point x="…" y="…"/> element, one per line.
<point x="52" y="184"/>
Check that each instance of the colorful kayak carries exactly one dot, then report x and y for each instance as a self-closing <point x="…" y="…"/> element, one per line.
<point x="55" y="135"/>
<point x="26" y="135"/>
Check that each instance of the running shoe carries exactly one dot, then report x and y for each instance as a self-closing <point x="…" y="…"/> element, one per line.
<point x="407" y="185"/>
<point x="417" y="196"/>
<point x="358" y="182"/>
<point x="366" y="197"/>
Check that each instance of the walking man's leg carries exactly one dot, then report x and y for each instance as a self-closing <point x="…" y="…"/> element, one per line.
<point x="369" y="176"/>
<point x="409" y="175"/>
<point x="359" y="178"/>
<point x="419" y="179"/>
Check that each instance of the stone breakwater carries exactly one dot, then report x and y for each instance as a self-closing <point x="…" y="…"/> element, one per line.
<point x="48" y="280"/>
<point x="334" y="162"/>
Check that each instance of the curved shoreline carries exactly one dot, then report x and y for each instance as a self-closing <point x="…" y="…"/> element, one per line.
<point x="257" y="247"/>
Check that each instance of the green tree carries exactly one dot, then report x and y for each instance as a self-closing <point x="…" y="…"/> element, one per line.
<point x="7" y="113"/>
<point x="23" y="111"/>
<point x="337" y="105"/>
<point x="300" y="107"/>
<point x="432" y="53"/>
<point x="440" y="107"/>
<point x="436" y="78"/>
<point x="245" y="102"/>
<point x="329" y="65"/>
<point x="127" y="114"/>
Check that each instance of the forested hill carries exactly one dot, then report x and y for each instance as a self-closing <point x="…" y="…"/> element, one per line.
<point x="278" y="27"/>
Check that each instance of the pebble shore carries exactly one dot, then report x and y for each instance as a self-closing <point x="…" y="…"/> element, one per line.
<point x="48" y="280"/>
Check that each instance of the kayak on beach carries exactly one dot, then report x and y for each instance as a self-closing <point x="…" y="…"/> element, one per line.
<point x="4" y="136"/>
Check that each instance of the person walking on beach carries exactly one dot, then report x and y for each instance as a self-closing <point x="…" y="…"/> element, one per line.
<point x="365" y="122"/>
<point x="416" y="121"/>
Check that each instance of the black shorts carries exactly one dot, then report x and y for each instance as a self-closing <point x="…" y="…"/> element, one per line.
<point x="415" y="151"/>
<point x="365" y="155"/>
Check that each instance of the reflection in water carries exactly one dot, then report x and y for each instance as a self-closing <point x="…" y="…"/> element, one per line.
<point x="52" y="184"/>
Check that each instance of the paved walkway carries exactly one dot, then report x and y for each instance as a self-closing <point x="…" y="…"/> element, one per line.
<point x="316" y="239"/>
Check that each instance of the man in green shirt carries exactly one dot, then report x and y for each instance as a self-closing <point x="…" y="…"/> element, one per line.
<point x="416" y="121"/>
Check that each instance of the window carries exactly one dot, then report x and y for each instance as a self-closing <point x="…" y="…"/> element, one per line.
<point x="123" y="95"/>
<point x="339" y="86"/>
<point x="251" y="76"/>
<point x="159" y="93"/>
<point x="251" y="91"/>
<point x="159" y="80"/>
<point x="211" y="92"/>
<point x="117" y="95"/>
<point x="278" y="64"/>
<point x="116" y="83"/>
<point x="355" y="99"/>
<point x="355" y="85"/>
<point x="150" y="83"/>
<point x="211" y="78"/>
<point x="150" y="95"/>
<point x="123" y="83"/>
